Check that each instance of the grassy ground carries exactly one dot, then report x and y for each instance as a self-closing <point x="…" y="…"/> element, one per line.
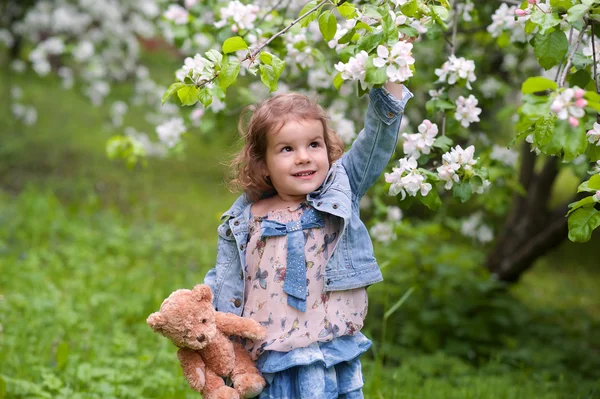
<point x="88" y="249"/>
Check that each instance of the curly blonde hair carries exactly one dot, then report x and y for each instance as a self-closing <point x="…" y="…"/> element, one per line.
<point x="268" y="117"/>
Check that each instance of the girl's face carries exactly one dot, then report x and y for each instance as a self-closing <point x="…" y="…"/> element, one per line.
<point x="296" y="159"/>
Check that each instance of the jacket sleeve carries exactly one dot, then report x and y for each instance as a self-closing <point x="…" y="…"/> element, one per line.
<point x="211" y="280"/>
<point x="375" y="144"/>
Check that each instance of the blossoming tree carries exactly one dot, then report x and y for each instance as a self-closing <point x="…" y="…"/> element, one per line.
<point x="478" y="69"/>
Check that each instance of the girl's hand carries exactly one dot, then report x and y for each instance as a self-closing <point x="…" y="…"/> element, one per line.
<point x="395" y="89"/>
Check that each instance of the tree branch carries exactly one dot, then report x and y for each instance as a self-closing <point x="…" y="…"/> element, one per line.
<point x="568" y="66"/>
<point x="253" y="54"/>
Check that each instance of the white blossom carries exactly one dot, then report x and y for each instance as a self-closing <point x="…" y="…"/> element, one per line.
<point x="457" y="69"/>
<point x="569" y="105"/>
<point x="355" y="68"/>
<point x="240" y="16"/>
<point x="505" y="155"/>
<point x="342" y="126"/>
<point x="398" y="61"/>
<point x="467" y="111"/>
<point x="504" y="20"/>
<point x="420" y="143"/>
<point x="394" y="214"/>
<point x="383" y="232"/>
<point x="170" y="131"/>
<point x="474" y="227"/>
<point x="407" y="179"/>
<point x="594" y="134"/>
<point x="177" y="14"/>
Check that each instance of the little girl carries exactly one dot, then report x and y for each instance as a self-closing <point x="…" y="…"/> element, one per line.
<point x="293" y="253"/>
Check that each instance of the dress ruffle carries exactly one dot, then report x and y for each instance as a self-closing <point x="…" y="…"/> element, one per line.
<point x="322" y="370"/>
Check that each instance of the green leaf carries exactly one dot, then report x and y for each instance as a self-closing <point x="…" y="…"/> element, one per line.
<point x="410" y="9"/>
<point x="440" y="12"/>
<point x="369" y="41"/>
<point x="431" y="200"/>
<point x="594" y="105"/>
<point x="188" y="94"/>
<point x="171" y="90"/>
<point x="234" y="44"/>
<point x="205" y="96"/>
<point x="62" y="354"/>
<point x="214" y="56"/>
<point x="576" y="142"/>
<point x="537" y="84"/>
<point x="338" y="81"/>
<point x="274" y="61"/>
<point x="347" y="36"/>
<point x="591" y="186"/>
<point x="546" y="20"/>
<point x="443" y="143"/>
<point x="408" y="31"/>
<point x="592" y="96"/>
<point x="576" y="13"/>
<point x="581" y="78"/>
<point x="582" y="223"/>
<point x="347" y="10"/>
<point x="586" y="202"/>
<point x="372" y="11"/>
<point x="229" y="73"/>
<point x="374" y="75"/>
<point x="544" y="129"/>
<point x="593" y="153"/>
<point x="311" y="17"/>
<point x="327" y="25"/>
<point x="462" y="191"/>
<point x="564" y="4"/>
<point x="267" y="76"/>
<point x="551" y="48"/>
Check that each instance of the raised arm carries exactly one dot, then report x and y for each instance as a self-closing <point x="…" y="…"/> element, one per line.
<point x="375" y="144"/>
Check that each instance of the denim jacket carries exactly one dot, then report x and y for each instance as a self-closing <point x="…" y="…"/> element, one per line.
<point x="352" y="263"/>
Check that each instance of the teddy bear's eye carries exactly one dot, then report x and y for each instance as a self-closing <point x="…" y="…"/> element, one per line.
<point x="203" y="321"/>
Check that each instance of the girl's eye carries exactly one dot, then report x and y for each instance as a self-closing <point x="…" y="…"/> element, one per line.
<point x="286" y="149"/>
<point x="314" y="144"/>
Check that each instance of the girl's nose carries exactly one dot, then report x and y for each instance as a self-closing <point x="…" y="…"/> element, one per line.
<point x="302" y="157"/>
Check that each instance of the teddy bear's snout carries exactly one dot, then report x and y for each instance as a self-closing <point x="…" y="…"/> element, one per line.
<point x="201" y="338"/>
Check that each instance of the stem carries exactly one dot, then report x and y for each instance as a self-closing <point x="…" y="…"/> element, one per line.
<point x="594" y="54"/>
<point x="568" y="66"/>
<point x="454" y="27"/>
<point x="253" y="54"/>
<point x="276" y="6"/>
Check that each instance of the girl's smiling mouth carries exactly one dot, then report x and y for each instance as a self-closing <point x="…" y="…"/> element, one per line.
<point x="305" y="173"/>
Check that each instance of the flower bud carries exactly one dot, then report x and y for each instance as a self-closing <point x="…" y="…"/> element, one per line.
<point x="520" y="13"/>
<point x="573" y="121"/>
<point x="582" y="102"/>
<point x="532" y="1"/>
<point x="578" y="93"/>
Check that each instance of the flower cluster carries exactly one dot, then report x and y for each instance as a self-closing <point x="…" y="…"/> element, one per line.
<point x="198" y="69"/>
<point x="570" y="105"/>
<point x="467" y="111"/>
<point x="526" y="12"/>
<point x="406" y="178"/>
<point x="456" y="69"/>
<point x="455" y="163"/>
<point x="384" y="231"/>
<point x="177" y="14"/>
<point x="504" y="20"/>
<point x="420" y="143"/>
<point x="170" y="131"/>
<point x="398" y="61"/>
<point x="474" y="227"/>
<point x="505" y="155"/>
<point x="240" y="16"/>
<point x="594" y="134"/>
<point x="355" y="68"/>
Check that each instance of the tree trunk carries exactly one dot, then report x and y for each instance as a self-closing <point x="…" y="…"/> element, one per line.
<point x="531" y="229"/>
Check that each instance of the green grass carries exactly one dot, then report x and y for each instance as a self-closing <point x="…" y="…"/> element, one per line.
<point x="89" y="248"/>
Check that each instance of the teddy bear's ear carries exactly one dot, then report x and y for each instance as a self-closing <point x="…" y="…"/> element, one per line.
<point x="202" y="292"/>
<point x="156" y="321"/>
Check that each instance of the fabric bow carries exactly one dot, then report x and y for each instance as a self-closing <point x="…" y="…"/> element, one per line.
<point x="294" y="283"/>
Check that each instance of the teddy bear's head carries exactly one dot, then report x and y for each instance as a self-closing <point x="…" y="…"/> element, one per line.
<point x="186" y="317"/>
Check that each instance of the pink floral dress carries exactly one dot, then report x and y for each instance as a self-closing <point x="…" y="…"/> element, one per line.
<point x="328" y="314"/>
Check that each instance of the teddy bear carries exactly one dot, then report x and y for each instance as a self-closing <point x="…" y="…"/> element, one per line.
<point x="206" y="353"/>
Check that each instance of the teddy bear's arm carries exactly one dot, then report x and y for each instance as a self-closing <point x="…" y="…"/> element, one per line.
<point x="193" y="368"/>
<point x="244" y="327"/>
